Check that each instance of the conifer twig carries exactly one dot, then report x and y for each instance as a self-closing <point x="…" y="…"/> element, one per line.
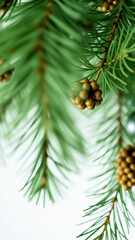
<point x="46" y="36"/>
<point x="120" y="118"/>
<point x="44" y="182"/>
<point x="102" y="63"/>
<point x="41" y="71"/>
<point x="115" y="199"/>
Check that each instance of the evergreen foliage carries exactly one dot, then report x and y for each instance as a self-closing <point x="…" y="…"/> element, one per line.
<point x="109" y="58"/>
<point x="109" y="38"/>
<point x="110" y="217"/>
<point x="40" y="43"/>
<point x="48" y="45"/>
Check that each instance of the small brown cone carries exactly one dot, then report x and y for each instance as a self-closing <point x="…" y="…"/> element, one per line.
<point x="97" y="94"/>
<point x="115" y="2"/>
<point x="111" y="7"/>
<point x="130" y="175"/>
<point x="91" y="107"/>
<point x="124" y="153"/>
<point x="81" y="106"/>
<point x="86" y="93"/>
<point x="78" y="100"/>
<point x="124" y="178"/>
<point x="86" y="80"/>
<point x="124" y="164"/>
<point x="73" y="100"/>
<point x="98" y="102"/>
<point x="118" y="176"/>
<point x="119" y="159"/>
<point x="129" y="159"/>
<point x="94" y="86"/>
<point x="133" y="180"/>
<point x="132" y="166"/>
<point x="83" y="94"/>
<point x="89" y="102"/>
<point x="125" y="187"/>
<point x="127" y="170"/>
<point x="86" y="87"/>
<point x="133" y="154"/>
<point x="126" y="161"/>
<point x="129" y="184"/>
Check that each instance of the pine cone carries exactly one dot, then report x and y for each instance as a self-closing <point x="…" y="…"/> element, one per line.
<point x="5" y="76"/>
<point x="86" y="94"/>
<point x="126" y="167"/>
<point x="108" y="5"/>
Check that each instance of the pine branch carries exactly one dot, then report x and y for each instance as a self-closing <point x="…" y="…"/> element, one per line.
<point x="110" y="213"/>
<point x="105" y="48"/>
<point x="109" y="41"/>
<point x="120" y="119"/>
<point x="45" y="53"/>
<point x="42" y="69"/>
<point x="115" y="199"/>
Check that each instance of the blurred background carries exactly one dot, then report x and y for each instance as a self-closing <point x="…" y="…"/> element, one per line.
<point x="23" y="220"/>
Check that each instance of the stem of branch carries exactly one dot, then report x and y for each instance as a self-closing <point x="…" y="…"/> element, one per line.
<point x="41" y="70"/>
<point x="119" y="119"/>
<point x="109" y="41"/>
<point x="109" y="214"/>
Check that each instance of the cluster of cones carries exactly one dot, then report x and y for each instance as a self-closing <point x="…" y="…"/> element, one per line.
<point x="86" y="94"/>
<point x="108" y="5"/>
<point x="126" y="167"/>
<point x="4" y="5"/>
<point x="5" y="76"/>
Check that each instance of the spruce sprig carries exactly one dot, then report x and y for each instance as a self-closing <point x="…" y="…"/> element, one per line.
<point x="108" y="42"/>
<point x="41" y="44"/>
<point x="109" y="216"/>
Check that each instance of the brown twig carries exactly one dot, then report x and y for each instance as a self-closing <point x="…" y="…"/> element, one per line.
<point x="107" y="64"/>
<point x="109" y="214"/>
<point x="39" y="48"/>
<point x="100" y="70"/>
<point x="119" y="118"/>
<point x="109" y="41"/>
<point x="44" y="180"/>
<point x="111" y="38"/>
<point x="113" y="60"/>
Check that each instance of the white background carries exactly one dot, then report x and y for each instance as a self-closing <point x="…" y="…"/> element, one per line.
<point x="23" y="220"/>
